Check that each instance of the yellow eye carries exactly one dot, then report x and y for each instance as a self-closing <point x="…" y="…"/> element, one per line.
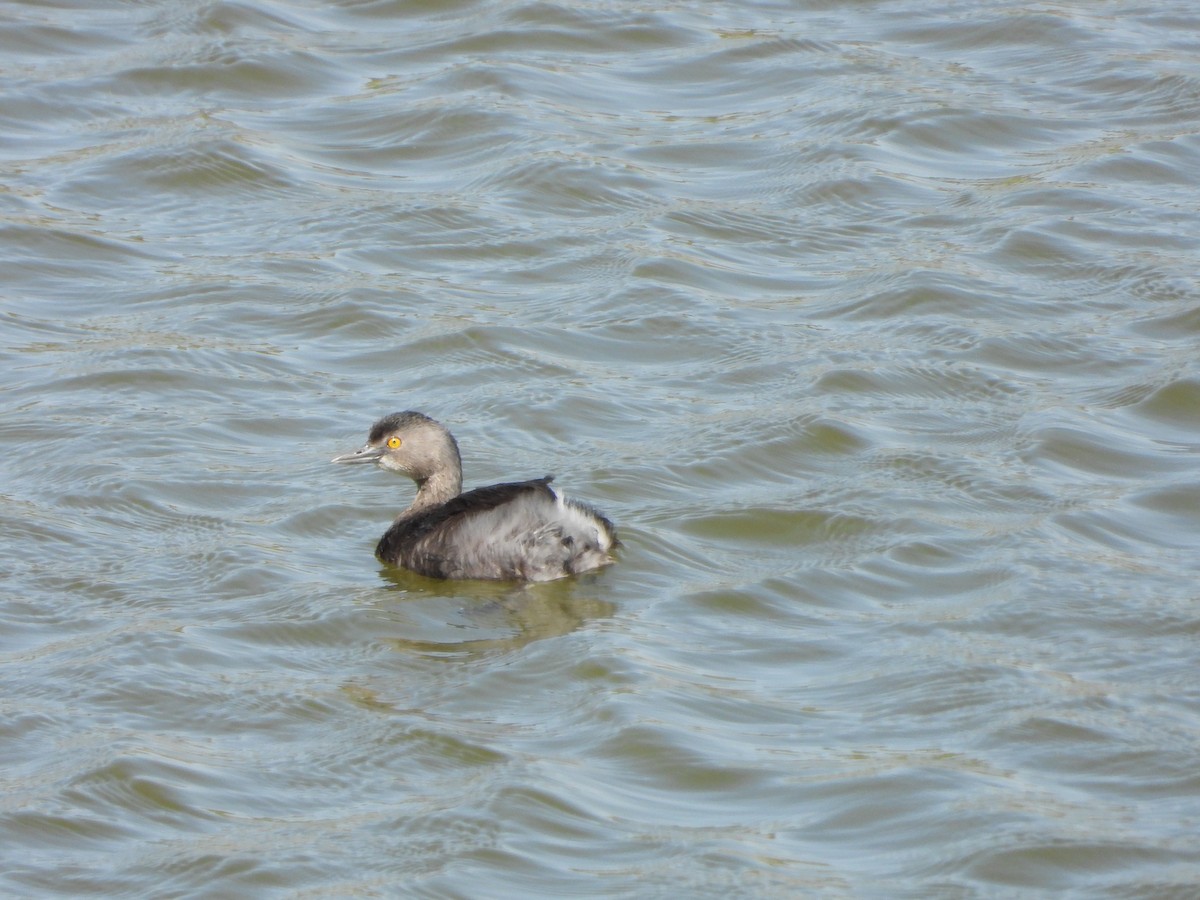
<point x="394" y="442"/>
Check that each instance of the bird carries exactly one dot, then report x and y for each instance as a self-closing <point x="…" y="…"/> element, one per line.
<point x="520" y="530"/>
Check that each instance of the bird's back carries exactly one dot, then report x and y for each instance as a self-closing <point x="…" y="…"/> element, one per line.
<point x="520" y="530"/>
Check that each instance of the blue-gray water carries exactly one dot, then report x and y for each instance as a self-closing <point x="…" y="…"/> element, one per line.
<point x="874" y="325"/>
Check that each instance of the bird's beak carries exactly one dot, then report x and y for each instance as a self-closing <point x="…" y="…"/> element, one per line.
<point x="365" y="455"/>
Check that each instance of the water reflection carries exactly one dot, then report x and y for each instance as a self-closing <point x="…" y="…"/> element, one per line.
<point x="453" y="619"/>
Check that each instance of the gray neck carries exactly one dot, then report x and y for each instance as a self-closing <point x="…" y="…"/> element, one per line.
<point x="436" y="490"/>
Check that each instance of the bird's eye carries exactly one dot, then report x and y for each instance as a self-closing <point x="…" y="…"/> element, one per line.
<point x="394" y="442"/>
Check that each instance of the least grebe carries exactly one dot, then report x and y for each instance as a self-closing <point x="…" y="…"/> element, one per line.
<point x="520" y="530"/>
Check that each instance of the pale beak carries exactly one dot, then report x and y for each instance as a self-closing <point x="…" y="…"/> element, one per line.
<point x="367" y="454"/>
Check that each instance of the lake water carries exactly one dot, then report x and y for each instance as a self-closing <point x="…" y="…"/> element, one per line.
<point x="874" y="325"/>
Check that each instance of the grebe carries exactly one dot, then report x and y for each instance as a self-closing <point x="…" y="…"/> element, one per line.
<point x="520" y="530"/>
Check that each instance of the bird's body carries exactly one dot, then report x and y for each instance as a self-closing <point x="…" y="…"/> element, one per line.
<point x="522" y="530"/>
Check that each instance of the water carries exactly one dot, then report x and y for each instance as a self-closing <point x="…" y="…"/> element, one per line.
<point x="872" y="325"/>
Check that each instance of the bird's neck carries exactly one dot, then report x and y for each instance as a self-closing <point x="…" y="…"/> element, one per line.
<point x="436" y="490"/>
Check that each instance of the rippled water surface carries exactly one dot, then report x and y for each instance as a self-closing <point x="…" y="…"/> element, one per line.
<point x="874" y="325"/>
